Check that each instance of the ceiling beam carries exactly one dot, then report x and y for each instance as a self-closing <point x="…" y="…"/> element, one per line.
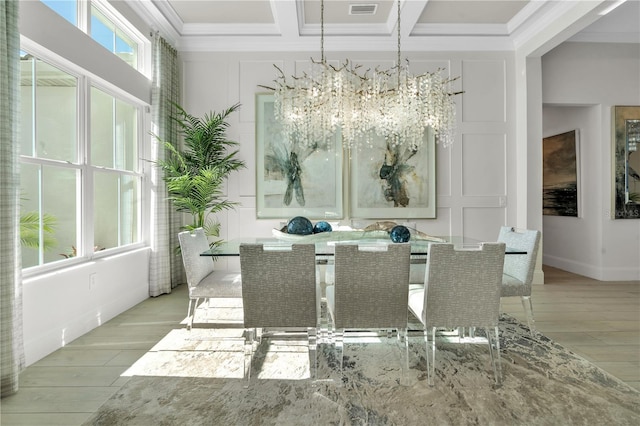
<point x="286" y="15"/>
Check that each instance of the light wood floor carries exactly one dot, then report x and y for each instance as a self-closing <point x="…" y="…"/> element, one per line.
<point x="598" y="320"/>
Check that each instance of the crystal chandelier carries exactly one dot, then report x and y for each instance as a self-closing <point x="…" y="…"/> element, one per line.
<point x="393" y="104"/>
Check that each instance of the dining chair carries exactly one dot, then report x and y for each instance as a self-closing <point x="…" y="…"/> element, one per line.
<point x="370" y="292"/>
<point x="519" y="268"/>
<point x="205" y="283"/>
<point x="462" y="289"/>
<point x="279" y="293"/>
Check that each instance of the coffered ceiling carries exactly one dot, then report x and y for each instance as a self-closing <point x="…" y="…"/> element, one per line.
<point x="369" y="25"/>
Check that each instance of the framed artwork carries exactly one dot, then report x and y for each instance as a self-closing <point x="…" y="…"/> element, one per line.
<point x="626" y="129"/>
<point x="388" y="182"/>
<point x="560" y="174"/>
<point x="292" y="180"/>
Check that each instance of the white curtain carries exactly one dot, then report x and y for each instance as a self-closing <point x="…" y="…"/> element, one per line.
<point x="165" y="266"/>
<point x="11" y="345"/>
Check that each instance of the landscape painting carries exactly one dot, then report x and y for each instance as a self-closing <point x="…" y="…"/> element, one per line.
<point x="560" y="174"/>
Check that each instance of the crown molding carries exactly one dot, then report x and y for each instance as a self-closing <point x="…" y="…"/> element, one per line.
<point x="151" y="14"/>
<point x="362" y="44"/>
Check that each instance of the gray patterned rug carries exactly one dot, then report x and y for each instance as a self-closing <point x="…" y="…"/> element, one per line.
<point x="195" y="378"/>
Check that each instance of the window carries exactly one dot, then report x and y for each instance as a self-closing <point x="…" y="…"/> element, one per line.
<point x="114" y="161"/>
<point x="50" y="173"/>
<point x="80" y="165"/>
<point x="106" y="26"/>
<point x="109" y="35"/>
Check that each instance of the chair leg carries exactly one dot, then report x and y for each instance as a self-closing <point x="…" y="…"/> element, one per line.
<point x="313" y="355"/>
<point x="494" y="353"/>
<point x="403" y="340"/>
<point x="528" y="309"/>
<point x="431" y="355"/>
<point x="338" y="342"/>
<point x="249" y="338"/>
<point x="207" y="309"/>
<point x="327" y="334"/>
<point x="191" y="312"/>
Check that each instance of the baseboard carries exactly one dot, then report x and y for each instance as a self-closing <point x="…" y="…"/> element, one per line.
<point x="593" y="271"/>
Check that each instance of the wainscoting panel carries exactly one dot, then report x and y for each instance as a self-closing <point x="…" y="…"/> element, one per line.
<point x="486" y="176"/>
<point x="484" y="85"/>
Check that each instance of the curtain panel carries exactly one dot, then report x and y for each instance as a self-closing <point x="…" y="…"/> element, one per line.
<point x="165" y="267"/>
<point x="11" y="344"/>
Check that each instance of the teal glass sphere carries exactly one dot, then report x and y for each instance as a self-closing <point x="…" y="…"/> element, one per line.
<point x="300" y="226"/>
<point x="400" y="234"/>
<point x="322" y="226"/>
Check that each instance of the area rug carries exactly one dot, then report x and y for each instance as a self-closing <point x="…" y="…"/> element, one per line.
<point x="195" y="378"/>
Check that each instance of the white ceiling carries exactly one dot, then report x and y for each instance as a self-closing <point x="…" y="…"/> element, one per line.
<point x="294" y="25"/>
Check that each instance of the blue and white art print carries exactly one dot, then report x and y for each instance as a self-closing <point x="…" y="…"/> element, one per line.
<point x="293" y="180"/>
<point x="393" y="181"/>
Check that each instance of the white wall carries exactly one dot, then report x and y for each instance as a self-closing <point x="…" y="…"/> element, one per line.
<point x="581" y="83"/>
<point x="60" y="306"/>
<point x="476" y="191"/>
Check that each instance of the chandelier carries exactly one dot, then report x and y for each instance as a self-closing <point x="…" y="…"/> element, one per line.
<point x="363" y="106"/>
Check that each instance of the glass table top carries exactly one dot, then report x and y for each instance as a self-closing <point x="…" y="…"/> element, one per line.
<point x="325" y="246"/>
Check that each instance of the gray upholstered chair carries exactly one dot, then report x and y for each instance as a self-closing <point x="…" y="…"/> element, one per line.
<point x="279" y="292"/>
<point x="370" y="292"/>
<point x="462" y="289"/>
<point x="203" y="280"/>
<point x="519" y="268"/>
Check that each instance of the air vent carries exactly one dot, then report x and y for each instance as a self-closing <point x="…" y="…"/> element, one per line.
<point x="362" y="9"/>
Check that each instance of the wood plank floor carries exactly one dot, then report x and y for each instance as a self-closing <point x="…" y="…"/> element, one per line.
<point x="598" y="320"/>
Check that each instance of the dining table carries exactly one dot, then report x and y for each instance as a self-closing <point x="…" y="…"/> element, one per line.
<point x="325" y="244"/>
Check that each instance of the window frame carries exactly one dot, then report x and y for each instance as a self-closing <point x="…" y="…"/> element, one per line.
<point x="110" y="12"/>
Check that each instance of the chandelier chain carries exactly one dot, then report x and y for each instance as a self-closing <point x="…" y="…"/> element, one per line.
<point x="322" y="58"/>
<point x="399" y="44"/>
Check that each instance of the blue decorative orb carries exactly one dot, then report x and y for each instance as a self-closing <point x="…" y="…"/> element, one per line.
<point x="400" y="234"/>
<point x="322" y="226"/>
<point x="300" y="226"/>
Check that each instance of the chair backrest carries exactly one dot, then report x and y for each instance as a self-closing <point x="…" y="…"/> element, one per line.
<point x="278" y="286"/>
<point x="462" y="287"/>
<point x="371" y="286"/>
<point x="191" y="245"/>
<point x="520" y="266"/>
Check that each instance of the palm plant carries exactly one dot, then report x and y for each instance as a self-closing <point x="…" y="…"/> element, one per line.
<point x="30" y="230"/>
<point x="194" y="175"/>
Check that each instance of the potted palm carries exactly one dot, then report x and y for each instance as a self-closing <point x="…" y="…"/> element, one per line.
<point x="30" y="230"/>
<point x="194" y="175"/>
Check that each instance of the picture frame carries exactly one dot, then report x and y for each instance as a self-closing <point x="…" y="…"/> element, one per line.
<point x="561" y="174"/>
<point x="626" y="162"/>
<point x="389" y="182"/>
<point x="291" y="180"/>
